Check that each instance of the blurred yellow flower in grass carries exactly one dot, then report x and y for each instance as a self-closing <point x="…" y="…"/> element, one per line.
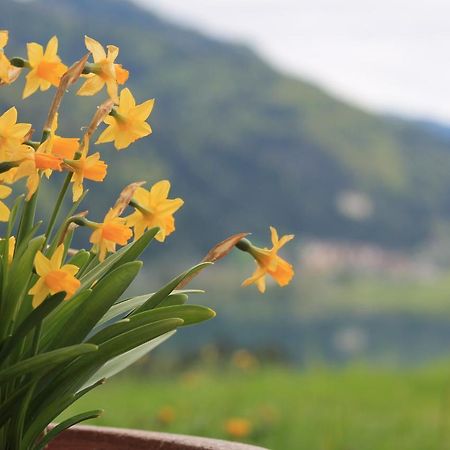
<point x="12" y="134"/>
<point x="112" y="231"/>
<point x="86" y="167"/>
<point x="244" y="360"/>
<point x="53" y="277"/>
<point x="32" y="163"/>
<point x="127" y="123"/>
<point x="46" y="67"/>
<point x="154" y="209"/>
<point x="5" y="191"/>
<point x="104" y="70"/>
<point x="238" y="428"/>
<point x="166" y="415"/>
<point x="269" y="263"/>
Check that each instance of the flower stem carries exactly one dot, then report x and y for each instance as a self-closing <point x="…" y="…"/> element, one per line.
<point x="57" y="207"/>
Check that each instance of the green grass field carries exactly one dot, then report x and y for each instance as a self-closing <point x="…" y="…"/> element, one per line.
<point x="355" y="408"/>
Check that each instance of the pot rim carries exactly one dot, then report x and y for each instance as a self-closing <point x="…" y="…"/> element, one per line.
<point x="138" y="437"/>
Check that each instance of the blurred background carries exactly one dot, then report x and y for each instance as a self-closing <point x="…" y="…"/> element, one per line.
<point x="327" y="119"/>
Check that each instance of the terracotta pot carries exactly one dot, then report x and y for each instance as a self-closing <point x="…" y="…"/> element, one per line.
<point x="102" y="438"/>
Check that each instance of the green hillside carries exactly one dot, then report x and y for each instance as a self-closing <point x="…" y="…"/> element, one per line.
<point x="243" y="144"/>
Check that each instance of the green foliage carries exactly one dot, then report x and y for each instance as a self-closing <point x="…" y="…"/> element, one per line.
<point x="61" y="350"/>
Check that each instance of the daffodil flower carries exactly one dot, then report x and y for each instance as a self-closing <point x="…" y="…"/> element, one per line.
<point x="5" y="191"/>
<point x="32" y="163"/>
<point x="104" y="70"/>
<point x="269" y="263"/>
<point x="127" y="123"/>
<point x="12" y="134"/>
<point x="5" y="65"/>
<point x="4" y="35"/>
<point x="86" y="167"/>
<point x="46" y="67"/>
<point x="154" y="209"/>
<point x="61" y="146"/>
<point x="53" y="277"/>
<point x="111" y="232"/>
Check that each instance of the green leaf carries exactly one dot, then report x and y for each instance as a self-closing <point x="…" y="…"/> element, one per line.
<point x="74" y="376"/>
<point x="137" y="247"/>
<point x="80" y="258"/>
<point x="39" y="419"/>
<point x="135" y="337"/>
<point x="19" y="277"/>
<point x="67" y="424"/>
<point x="174" y="300"/>
<point x="121" y="362"/>
<point x="8" y="407"/>
<point x="57" y="322"/>
<point x="32" y="321"/>
<point x="44" y="361"/>
<point x="122" y="309"/>
<point x="164" y="292"/>
<point x="126" y="254"/>
<point x="129" y="346"/>
<point x="103" y="296"/>
<point x="190" y="314"/>
<point x="23" y="245"/>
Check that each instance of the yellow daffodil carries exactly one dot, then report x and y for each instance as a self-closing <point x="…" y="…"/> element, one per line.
<point x="5" y="191"/>
<point x="61" y="146"/>
<point x="128" y="121"/>
<point x="5" y="65"/>
<point x="12" y="134"/>
<point x="4" y="35"/>
<point x="104" y="70"/>
<point x="154" y="209"/>
<point x="53" y="277"/>
<point x="112" y="231"/>
<point x="269" y="263"/>
<point x="86" y="167"/>
<point x="46" y="67"/>
<point x="32" y="163"/>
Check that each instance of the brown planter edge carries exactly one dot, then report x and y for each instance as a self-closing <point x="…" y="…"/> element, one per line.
<point x="84" y="437"/>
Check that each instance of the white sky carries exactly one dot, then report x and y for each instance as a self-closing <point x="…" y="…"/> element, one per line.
<point x="390" y="55"/>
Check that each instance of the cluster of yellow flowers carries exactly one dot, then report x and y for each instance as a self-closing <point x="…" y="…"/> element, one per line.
<point x="22" y="157"/>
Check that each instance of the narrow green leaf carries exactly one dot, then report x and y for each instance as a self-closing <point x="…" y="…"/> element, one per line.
<point x="45" y="361"/>
<point x="57" y="322"/>
<point x="67" y="424"/>
<point x="23" y="245"/>
<point x="123" y="308"/>
<point x="80" y="258"/>
<point x="19" y="277"/>
<point x="190" y="314"/>
<point x="121" y="362"/>
<point x="103" y="296"/>
<point x="79" y="373"/>
<point x="126" y="254"/>
<point x="121" y="351"/>
<point x="174" y="300"/>
<point x="32" y="321"/>
<point x="137" y="247"/>
<point x="164" y="292"/>
<point x="8" y="407"/>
